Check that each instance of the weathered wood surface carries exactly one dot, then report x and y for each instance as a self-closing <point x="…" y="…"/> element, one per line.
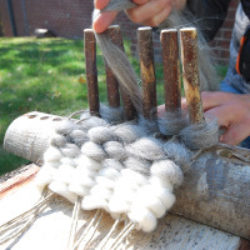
<point x="17" y="178"/>
<point x="190" y="70"/>
<point x="146" y="53"/>
<point x="113" y="93"/>
<point x="215" y="192"/>
<point x="171" y="67"/>
<point x="51" y="229"/>
<point x="91" y="71"/>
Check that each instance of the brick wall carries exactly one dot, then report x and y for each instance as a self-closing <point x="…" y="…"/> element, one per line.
<point x="68" y="18"/>
<point x="221" y="42"/>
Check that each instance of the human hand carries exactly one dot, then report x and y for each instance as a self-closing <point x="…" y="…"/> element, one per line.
<point x="148" y="12"/>
<point x="232" y="112"/>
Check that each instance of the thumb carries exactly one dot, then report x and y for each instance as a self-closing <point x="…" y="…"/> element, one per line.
<point x="102" y="22"/>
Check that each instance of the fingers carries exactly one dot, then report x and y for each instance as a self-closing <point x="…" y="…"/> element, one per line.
<point x="100" y="4"/>
<point x="225" y="114"/>
<point x="236" y="134"/>
<point x="213" y="99"/>
<point x="159" y="18"/>
<point x="140" y="2"/>
<point x="234" y="118"/>
<point x="148" y="11"/>
<point x="103" y="21"/>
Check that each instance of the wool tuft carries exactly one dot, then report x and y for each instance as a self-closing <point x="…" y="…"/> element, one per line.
<point x="145" y="219"/>
<point x="167" y="170"/>
<point x="201" y="136"/>
<point x="115" y="150"/>
<point x="52" y="155"/>
<point x="58" y="140"/>
<point x="179" y="153"/>
<point x="78" y="137"/>
<point x="101" y="134"/>
<point x="172" y="123"/>
<point x="128" y="133"/>
<point x="112" y="115"/>
<point x="146" y="148"/>
<point x="138" y="165"/>
<point x="93" y="151"/>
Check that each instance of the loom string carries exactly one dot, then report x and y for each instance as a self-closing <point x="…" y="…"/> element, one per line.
<point x="97" y="216"/>
<point x="122" y="235"/>
<point x="74" y="223"/>
<point x="91" y="236"/>
<point x="32" y="215"/>
<point x="104" y="241"/>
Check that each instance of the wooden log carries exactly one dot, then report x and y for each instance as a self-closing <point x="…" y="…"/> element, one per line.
<point x="146" y="54"/>
<point x="216" y="190"/>
<point x="32" y="128"/>
<point x="190" y="69"/>
<point x="171" y="66"/>
<point x="129" y="109"/>
<point x="112" y="83"/>
<point x="17" y="178"/>
<point x="91" y="71"/>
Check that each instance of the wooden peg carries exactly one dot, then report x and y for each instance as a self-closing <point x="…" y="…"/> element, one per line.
<point x="91" y="71"/>
<point x="146" y="54"/>
<point x="189" y="55"/>
<point x="171" y="68"/>
<point x="112" y="83"/>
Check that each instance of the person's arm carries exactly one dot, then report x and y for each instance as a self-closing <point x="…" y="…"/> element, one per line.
<point x="209" y="15"/>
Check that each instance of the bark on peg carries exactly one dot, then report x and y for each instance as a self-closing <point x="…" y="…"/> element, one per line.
<point x="129" y="110"/>
<point x="146" y="53"/>
<point x="171" y="67"/>
<point x="112" y="83"/>
<point x="91" y="71"/>
<point x="189" y="54"/>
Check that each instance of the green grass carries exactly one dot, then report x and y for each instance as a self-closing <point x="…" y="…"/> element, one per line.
<point x="38" y="75"/>
<point x="43" y="75"/>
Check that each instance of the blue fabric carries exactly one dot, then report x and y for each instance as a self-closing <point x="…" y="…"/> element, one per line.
<point x="225" y="87"/>
<point x="228" y="88"/>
